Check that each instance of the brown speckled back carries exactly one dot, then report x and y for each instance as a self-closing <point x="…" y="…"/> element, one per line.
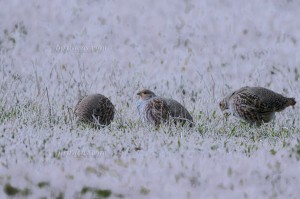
<point x="255" y="104"/>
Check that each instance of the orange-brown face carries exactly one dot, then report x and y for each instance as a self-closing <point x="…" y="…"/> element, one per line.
<point x="223" y="104"/>
<point x="146" y="94"/>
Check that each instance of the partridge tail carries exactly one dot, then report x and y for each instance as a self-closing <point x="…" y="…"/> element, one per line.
<point x="291" y="101"/>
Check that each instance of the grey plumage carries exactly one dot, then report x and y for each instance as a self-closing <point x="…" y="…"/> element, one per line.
<point x="95" y="109"/>
<point x="179" y="113"/>
<point x="255" y="104"/>
<point x="157" y="110"/>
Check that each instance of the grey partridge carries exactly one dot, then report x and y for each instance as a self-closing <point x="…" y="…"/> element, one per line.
<point x="95" y="109"/>
<point x="255" y="105"/>
<point x="156" y="110"/>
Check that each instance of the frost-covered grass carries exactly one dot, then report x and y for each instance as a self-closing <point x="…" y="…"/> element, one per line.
<point x="51" y="53"/>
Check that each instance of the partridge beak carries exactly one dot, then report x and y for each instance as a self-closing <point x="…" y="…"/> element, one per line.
<point x="139" y="93"/>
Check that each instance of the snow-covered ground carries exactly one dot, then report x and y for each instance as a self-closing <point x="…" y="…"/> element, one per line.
<point x="53" y="52"/>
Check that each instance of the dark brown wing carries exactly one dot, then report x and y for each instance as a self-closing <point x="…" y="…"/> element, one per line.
<point x="270" y="100"/>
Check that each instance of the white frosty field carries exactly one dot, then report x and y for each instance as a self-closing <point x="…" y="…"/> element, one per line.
<point x="53" y="52"/>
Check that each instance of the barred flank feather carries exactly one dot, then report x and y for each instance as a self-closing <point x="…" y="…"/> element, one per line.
<point x="95" y="109"/>
<point x="156" y="111"/>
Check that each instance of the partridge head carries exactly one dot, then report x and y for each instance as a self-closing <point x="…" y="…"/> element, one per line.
<point x="146" y="94"/>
